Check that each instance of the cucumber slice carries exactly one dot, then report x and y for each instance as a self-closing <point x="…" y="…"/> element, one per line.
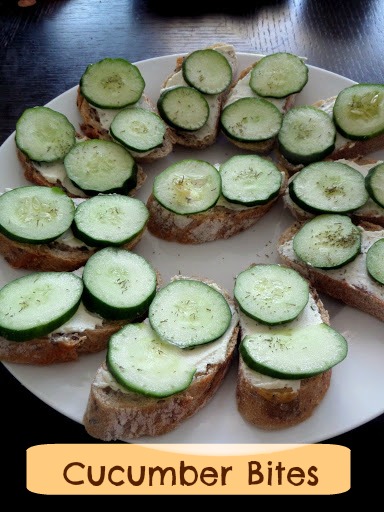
<point x="36" y="304"/>
<point x="118" y="284"/>
<point x="188" y="313"/>
<point x="374" y="261"/>
<point x="328" y="187"/>
<point x="138" y="129"/>
<point x="103" y="166"/>
<point x="278" y="75"/>
<point x="327" y="241"/>
<point x="358" y="111"/>
<point x="251" y="120"/>
<point x="374" y="183"/>
<point x="112" y="83"/>
<point x="207" y="70"/>
<point x="35" y="214"/>
<point x="183" y="108"/>
<point x="109" y="220"/>
<point x="294" y="353"/>
<point x="250" y="180"/>
<point x="44" y="135"/>
<point x="188" y="186"/>
<point x="271" y="294"/>
<point x="144" y="364"/>
<point x="307" y="135"/>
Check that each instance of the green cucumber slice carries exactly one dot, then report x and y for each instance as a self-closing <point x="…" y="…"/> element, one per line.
<point x="118" y="284"/>
<point x="307" y="134"/>
<point x="358" y="111"/>
<point x="109" y="220"/>
<point x="35" y="214"/>
<point x="278" y="75"/>
<point x="112" y="83"/>
<point x="328" y="187"/>
<point x="36" y="304"/>
<point x="327" y="241"/>
<point x="138" y="129"/>
<point x="294" y="353"/>
<point x="251" y="120"/>
<point x="101" y="166"/>
<point x="44" y="135"/>
<point x="374" y="183"/>
<point x="207" y="70"/>
<point x="250" y="180"/>
<point x="142" y="363"/>
<point x="183" y="108"/>
<point x="271" y="294"/>
<point x="374" y="261"/>
<point x="188" y="186"/>
<point x="188" y="313"/>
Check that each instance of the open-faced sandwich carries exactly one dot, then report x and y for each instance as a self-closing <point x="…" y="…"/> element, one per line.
<point x="161" y="371"/>
<point x="54" y="317"/>
<point x="287" y="348"/>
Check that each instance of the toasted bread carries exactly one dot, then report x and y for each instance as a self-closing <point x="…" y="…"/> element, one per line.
<point x="116" y="414"/>
<point x="222" y="221"/>
<point x="370" y="212"/>
<point x="273" y="404"/>
<point x="349" y="284"/>
<point x="344" y="148"/>
<point x="207" y="135"/>
<point x="241" y="89"/>
<point x="94" y="128"/>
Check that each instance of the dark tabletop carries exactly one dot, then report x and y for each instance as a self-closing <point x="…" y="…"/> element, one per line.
<point x="44" y="48"/>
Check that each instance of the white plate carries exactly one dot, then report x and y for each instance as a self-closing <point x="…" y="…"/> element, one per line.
<point x="355" y="395"/>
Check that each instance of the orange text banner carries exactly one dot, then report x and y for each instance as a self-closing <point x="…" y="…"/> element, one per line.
<point x="188" y="469"/>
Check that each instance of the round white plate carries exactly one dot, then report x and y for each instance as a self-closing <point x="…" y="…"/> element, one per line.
<point x="355" y="395"/>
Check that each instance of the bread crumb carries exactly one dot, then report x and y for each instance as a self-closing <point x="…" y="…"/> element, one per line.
<point x="26" y="3"/>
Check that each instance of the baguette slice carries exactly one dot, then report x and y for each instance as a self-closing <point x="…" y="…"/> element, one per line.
<point x="207" y="135"/>
<point x="273" y="404"/>
<point x="344" y="148"/>
<point x="241" y="89"/>
<point x="93" y="127"/>
<point x="349" y="284"/>
<point x="222" y="221"/>
<point x="113" y="414"/>
<point x="370" y="212"/>
<point x="56" y="176"/>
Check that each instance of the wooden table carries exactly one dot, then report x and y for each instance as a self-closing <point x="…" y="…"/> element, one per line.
<point x="43" y="52"/>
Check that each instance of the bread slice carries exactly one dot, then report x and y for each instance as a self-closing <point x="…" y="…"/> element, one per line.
<point x="349" y="284"/>
<point x="222" y="221"/>
<point x="60" y="347"/>
<point x="55" y="256"/>
<point x="241" y="89"/>
<point x="207" y="135"/>
<point x="55" y="176"/>
<point x="93" y="127"/>
<point x="274" y="404"/>
<point x="370" y="212"/>
<point x="344" y="148"/>
<point x="114" y="414"/>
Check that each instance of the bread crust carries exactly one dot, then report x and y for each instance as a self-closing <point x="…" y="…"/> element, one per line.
<point x="112" y="415"/>
<point x="217" y="223"/>
<point x="356" y="297"/>
<point x="59" y="348"/>
<point x="274" y="409"/>
<point x="54" y="256"/>
<point x="92" y="128"/>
